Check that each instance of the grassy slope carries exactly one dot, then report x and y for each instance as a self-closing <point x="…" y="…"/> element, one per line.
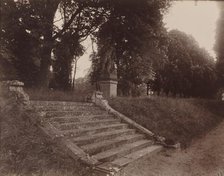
<point x="180" y="119"/>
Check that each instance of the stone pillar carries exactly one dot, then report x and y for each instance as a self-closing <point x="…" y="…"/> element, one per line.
<point x="108" y="85"/>
<point x="15" y="90"/>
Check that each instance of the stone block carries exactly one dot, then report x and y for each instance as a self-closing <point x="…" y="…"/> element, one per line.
<point x="109" y="88"/>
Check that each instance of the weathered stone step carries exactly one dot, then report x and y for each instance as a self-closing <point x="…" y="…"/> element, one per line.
<point x="74" y="113"/>
<point x="67" y="119"/>
<point x="145" y="152"/>
<point x="104" y="145"/>
<point x="85" y="124"/>
<point x="121" y="151"/>
<point x="84" y="140"/>
<point x="94" y="130"/>
<point x="60" y="103"/>
<point x="67" y="108"/>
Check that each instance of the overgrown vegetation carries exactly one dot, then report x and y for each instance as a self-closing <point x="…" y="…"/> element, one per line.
<point x="182" y="120"/>
<point x="26" y="151"/>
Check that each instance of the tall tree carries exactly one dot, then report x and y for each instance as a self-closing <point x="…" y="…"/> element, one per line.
<point x="219" y="45"/>
<point x="44" y="11"/>
<point x="188" y="70"/>
<point x="122" y="39"/>
<point x="16" y="39"/>
<point x="38" y="33"/>
<point x="6" y="54"/>
<point x="66" y="52"/>
<point x="68" y="47"/>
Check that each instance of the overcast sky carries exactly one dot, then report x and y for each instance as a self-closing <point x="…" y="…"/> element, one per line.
<point x="198" y="20"/>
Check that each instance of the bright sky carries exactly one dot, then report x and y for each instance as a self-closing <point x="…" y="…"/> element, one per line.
<point x="84" y="62"/>
<point x="198" y="20"/>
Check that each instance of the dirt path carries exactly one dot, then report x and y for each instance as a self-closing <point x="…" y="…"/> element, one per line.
<point x="204" y="158"/>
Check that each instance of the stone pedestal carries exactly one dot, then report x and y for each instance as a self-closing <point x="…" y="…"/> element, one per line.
<point x="109" y="88"/>
<point x="108" y="85"/>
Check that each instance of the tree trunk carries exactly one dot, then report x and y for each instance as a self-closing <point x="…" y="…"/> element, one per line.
<point x="74" y="74"/>
<point x="45" y="53"/>
<point x="47" y="12"/>
<point x="147" y="88"/>
<point x="44" y="77"/>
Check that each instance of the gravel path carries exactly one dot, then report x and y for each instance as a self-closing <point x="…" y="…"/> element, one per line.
<point x="205" y="157"/>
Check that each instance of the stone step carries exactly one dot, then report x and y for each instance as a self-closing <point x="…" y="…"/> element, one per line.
<point x="84" y="140"/>
<point x="86" y="124"/>
<point x="104" y="145"/>
<point x="67" y="119"/>
<point x="74" y="113"/>
<point x="93" y="130"/>
<point x="121" y="151"/>
<point x="68" y="108"/>
<point x="60" y="103"/>
<point x="145" y="152"/>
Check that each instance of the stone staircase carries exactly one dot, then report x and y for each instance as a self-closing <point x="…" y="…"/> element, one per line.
<point x="91" y="133"/>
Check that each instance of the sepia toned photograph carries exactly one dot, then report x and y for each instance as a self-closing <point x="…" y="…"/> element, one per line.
<point x="112" y="88"/>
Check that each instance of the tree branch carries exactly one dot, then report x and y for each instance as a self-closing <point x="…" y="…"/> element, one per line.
<point x="58" y="20"/>
<point x="66" y="26"/>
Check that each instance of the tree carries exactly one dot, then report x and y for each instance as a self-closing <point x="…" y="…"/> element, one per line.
<point x="188" y="70"/>
<point x="7" y="71"/>
<point x="17" y="41"/>
<point x="44" y="11"/>
<point x="66" y="53"/>
<point x="36" y="21"/>
<point x="80" y="19"/>
<point x="219" y="46"/>
<point x="6" y="55"/>
<point x="124" y="37"/>
<point x="68" y="48"/>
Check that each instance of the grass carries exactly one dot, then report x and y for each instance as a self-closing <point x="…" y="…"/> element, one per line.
<point x="182" y="120"/>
